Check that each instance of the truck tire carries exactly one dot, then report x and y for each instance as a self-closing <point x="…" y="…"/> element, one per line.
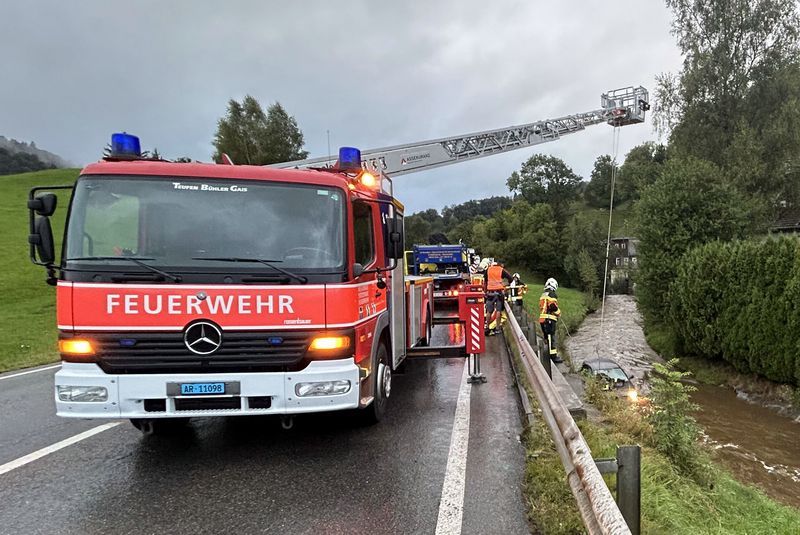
<point x="382" y="388"/>
<point x="425" y="342"/>
<point x="159" y="426"/>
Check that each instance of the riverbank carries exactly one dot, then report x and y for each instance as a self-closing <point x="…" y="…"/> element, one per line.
<point x="671" y="502"/>
<point x="782" y="398"/>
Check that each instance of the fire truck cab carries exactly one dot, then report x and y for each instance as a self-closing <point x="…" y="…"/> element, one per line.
<point x="190" y="289"/>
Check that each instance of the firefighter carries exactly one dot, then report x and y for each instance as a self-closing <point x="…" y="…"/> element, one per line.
<point x="516" y="290"/>
<point x="548" y="317"/>
<point x="496" y="274"/>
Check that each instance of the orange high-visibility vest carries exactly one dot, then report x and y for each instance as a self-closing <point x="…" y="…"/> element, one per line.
<point x="494" y="278"/>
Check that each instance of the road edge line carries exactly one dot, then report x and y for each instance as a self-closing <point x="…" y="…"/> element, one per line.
<point x="42" y="369"/>
<point x="451" y="505"/>
<point x="38" y="454"/>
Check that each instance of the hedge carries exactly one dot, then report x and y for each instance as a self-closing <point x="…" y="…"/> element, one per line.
<point x="740" y="301"/>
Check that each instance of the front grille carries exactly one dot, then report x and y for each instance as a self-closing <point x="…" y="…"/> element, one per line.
<point x="241" y="351"/>
<point x="208" y="404"/>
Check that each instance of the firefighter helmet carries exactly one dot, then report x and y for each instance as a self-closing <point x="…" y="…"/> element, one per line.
<point x="551" y="284"/>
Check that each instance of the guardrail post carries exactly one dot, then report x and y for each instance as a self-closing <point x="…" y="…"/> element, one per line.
<point x="629" y="491"/>
<point x="544" y="356"/>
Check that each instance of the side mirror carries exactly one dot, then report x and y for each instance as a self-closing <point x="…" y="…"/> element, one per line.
<point x="43" y="205"/>
<point x="394" y="245"/>
<point x="42" y="240"/>
<point x="358" y="269"/>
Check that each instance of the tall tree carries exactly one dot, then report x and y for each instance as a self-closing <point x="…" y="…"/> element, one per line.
<point x="546" y="179"/>
<point x="689" y="205"/>
<point x="598" y="190"/>
<point x="739" y="89"/>
<point x="642" y="166"/>
<point x="585" y="247"/>
<point x="250" y="136"/>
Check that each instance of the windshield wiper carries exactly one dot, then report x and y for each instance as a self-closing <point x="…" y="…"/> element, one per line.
<point x="136" y="260"/>
<point x="268" y="263"/>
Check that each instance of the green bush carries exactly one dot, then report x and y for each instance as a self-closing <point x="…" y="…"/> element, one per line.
<point x="675" y="432"/>
<point x="740" y="302"/>
<point x="688" y="205"/>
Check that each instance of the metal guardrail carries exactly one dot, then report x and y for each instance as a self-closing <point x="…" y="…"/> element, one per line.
<point x="597" y="507"/>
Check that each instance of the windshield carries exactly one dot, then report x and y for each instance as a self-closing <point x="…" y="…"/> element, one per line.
<point x="615" y="374"/>
<point x="178" y="222"/>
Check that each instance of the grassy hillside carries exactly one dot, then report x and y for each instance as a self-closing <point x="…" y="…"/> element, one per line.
<point x="27" y="314"/>
<point x="622" y="220"/>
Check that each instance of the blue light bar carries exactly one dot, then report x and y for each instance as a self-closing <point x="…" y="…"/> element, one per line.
<point x="349" y="159"/>
<point x="124" y="145"/>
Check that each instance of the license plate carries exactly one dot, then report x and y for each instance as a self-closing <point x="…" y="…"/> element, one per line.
<point x="438" y="294"/>
<point x="200" y="389"/>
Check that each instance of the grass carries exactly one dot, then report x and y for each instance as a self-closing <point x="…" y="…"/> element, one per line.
<point x="621" y="223"/>
<point x="27" y="317"/>
<point x="671" y="502"/>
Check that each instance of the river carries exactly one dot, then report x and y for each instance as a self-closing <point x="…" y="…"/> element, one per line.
<point x="755" y="443"/>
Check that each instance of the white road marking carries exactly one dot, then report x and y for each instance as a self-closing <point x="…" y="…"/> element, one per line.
<point x="451" y="506"/>
<point x="53" y="367"/>
<point x="22" y="461"/>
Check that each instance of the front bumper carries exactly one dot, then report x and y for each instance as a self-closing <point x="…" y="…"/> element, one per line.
<point x="127" y="393"/>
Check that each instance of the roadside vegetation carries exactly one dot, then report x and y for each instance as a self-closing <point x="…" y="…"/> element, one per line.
<point x="711" y="283"/>
<point x="683" y="491"/>
<point x="28" y="315"/>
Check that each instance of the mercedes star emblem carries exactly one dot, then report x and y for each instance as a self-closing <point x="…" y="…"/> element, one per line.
<point x="202" y="338"/>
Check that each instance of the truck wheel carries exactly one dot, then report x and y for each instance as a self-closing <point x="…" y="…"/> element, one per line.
<point x="425" y="342"/>
<point x="159" y="426"/>
<point x="382" y="388"/>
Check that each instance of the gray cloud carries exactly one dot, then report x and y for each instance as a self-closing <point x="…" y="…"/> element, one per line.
<point x="373" y="73"/>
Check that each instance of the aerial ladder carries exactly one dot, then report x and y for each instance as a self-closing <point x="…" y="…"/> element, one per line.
<point x="619" y="107"/>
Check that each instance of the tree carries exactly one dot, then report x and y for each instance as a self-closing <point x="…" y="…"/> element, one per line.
<point x="250" y="136"/>
<point x="417" y="230"/>
<point x="585" y="240"/>
<point x="598" y="190"/>
<point x="522" y="235"/>
<point x="690" y="204"/>
<point x="642" y="166"/>
<point x="546" y="179"/>
<point x="738" y="90"/>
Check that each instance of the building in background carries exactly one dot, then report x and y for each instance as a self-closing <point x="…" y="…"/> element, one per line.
<point x="621" y="264"/>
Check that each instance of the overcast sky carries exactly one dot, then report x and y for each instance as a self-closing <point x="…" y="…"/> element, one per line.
<point x="373" y="73"/>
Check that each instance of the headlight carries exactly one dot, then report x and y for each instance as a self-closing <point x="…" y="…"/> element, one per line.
<point x="81" y="393"/>
<point x="322" y="388"/>
<point x="633" y="395"/>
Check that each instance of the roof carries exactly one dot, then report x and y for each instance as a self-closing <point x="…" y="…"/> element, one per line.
<point x="788" y="221"/>
<point x="602" y="364"/>
<point x="207" y="170"/>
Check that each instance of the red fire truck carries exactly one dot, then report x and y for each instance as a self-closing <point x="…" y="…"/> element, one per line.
<point x="189" y="289"/>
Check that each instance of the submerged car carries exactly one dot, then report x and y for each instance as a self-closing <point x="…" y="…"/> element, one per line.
<point x="612" y="375"/>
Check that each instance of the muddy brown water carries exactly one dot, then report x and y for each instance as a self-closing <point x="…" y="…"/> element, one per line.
<point x="755" y="443"/>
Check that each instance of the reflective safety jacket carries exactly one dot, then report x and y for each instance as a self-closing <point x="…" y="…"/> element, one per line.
<point x="516" y="290"/>
<point x="494" y="278"/>
<point x="548" y="306"/>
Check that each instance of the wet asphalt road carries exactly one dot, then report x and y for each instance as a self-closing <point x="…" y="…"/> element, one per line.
<point x="326" y="475"/>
